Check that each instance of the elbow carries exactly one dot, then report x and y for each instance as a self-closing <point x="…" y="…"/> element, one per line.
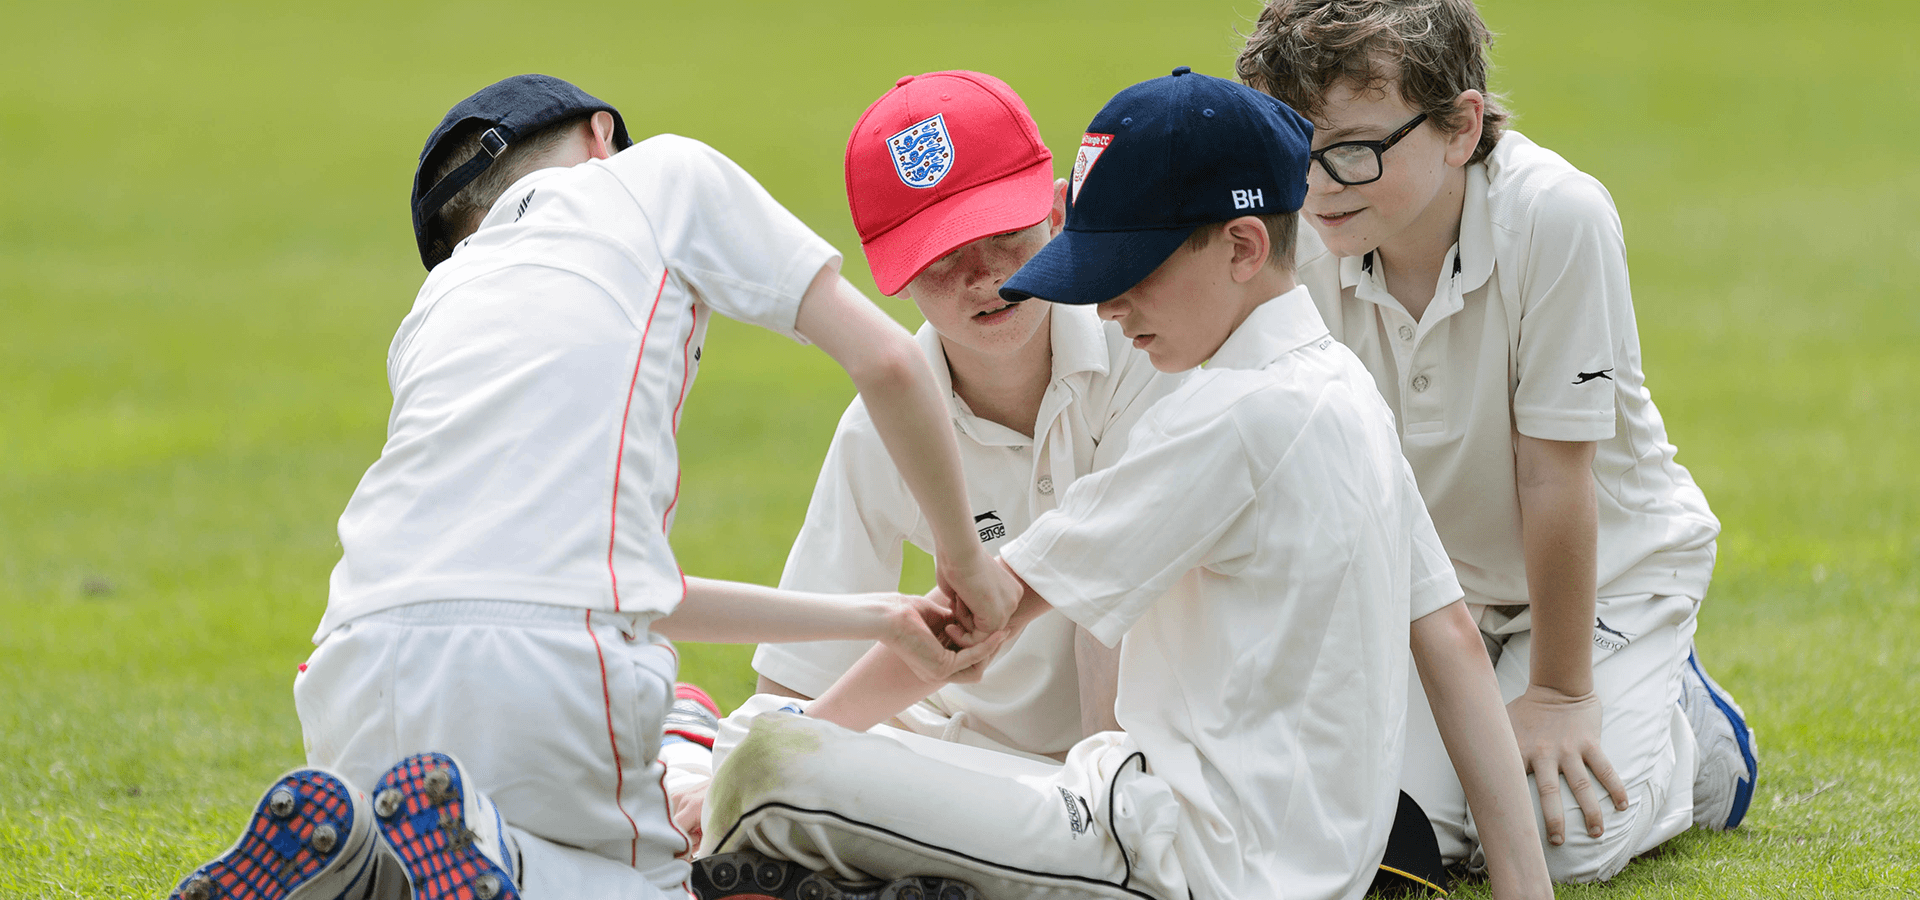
<point x="891" y="365"/>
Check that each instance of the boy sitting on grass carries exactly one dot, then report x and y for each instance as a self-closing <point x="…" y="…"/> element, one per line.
<point x="494" y="669"/>
<point x="1483" y="281"/>
<point x="1260" y="545"/>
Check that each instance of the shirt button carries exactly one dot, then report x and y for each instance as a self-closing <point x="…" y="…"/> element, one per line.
<point x="1420" y="383"/>
<point x="1406" y="332"/>
<point x="1046" y="484"/>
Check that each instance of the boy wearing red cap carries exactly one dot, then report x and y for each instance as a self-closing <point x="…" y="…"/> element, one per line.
<point x="952" y="190"/>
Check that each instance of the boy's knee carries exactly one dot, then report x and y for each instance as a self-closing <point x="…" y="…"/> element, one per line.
<point x="1583" y="859"/>
<point x="775" y="755"/>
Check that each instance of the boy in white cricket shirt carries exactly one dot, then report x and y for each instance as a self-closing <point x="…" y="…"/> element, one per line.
<point x="1483" y="281"/>
<point x="1039" y="395"/>
<point x="496" y="639"/>
<point x="1261" y="546"/>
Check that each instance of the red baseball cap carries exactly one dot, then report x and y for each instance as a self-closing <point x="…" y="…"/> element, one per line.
<point x="941" y="160"/>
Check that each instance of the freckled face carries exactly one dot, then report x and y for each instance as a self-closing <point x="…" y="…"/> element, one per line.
<point x="960" y="292"/>
<point x="1355" y="219"/>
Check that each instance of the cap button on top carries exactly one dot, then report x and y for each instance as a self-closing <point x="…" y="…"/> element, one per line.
<point x="1182" y="70"/>
<point x="903" y="81"/>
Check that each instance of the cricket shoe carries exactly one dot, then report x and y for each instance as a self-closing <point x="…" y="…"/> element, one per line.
<point x="449" y="837"/>
<point x="694" y="716"/>
<point x="751" y="876"/>
<point x="1729" y="758"/>
<point x="311" y="838"/>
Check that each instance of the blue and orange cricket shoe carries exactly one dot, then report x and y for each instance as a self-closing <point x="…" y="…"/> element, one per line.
<point x="449" y="837"/>
<point x="311" y="838"/>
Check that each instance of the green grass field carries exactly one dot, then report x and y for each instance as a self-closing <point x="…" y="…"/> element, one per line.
<point x="204" y="250"/>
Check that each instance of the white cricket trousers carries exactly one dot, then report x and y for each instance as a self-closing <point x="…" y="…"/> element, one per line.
<point x="1640" y="644"/>
<point x="888" y="806"/>
<point x="556" y="713"/>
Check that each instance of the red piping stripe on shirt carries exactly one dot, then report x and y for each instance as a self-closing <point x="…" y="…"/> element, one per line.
<point x="686" y="381"/>
<point x="620" y="450"/>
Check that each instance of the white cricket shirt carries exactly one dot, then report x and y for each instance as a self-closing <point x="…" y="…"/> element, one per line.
<point x="861" y="514"/>
<point x="1262" y="547"/>
<point x="539" y="380"/>
<point x="1531" y="330"/>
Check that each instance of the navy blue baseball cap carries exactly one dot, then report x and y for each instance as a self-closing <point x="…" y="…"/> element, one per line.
<point x="1162" y="158"/>
<point x="504" y="111"/>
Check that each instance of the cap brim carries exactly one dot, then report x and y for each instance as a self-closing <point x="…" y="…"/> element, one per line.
<point x="1007" y="204"/>
<point x="1083" y="267"/>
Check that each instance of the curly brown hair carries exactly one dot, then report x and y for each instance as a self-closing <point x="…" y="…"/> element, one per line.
<point x="1430" y="50"/>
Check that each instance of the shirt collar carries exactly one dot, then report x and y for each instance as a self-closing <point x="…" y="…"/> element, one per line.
<point x="506" y="207"/>
<point x="1471" y="259"/>
<point x="1274" y="329"/>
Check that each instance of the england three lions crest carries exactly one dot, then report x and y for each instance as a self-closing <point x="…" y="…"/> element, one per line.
<point x="923" y="153"/>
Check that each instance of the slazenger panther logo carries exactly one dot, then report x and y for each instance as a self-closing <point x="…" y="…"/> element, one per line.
<point x="1589" y="376"/>
<point x="922" y="152"/>
<point x="1606" y="638"/>
<point x="991" y="528"/>
<point x="1079" y="814"/>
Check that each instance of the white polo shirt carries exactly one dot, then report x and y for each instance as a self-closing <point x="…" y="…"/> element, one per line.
<point x="538" y="382"/>
<point x="1262" y="547"/>
<point x="1531" y="331"/>
<point x="861" y="514"/>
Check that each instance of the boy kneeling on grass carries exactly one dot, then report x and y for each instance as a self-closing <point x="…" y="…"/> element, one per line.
<point x="1482" y="279"/>
<point x="1261" y="546"/>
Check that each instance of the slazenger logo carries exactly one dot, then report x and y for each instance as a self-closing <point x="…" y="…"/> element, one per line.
<point x="1079" y="814"/>
<point x="1608" y="639"/>
<point x="1091" y="146"/>
<point x="991" y="528"/>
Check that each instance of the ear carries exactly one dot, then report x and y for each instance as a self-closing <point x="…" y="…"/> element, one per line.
<point x="601" y="125"/>
<point x="1248" y="239"/>
<point x="1057" y="216"/>
<point x="1472" y="106"/>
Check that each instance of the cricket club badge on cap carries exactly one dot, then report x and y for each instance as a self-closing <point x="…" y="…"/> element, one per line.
<point x="922" y="152"/>
<point x="1091" y="146"/>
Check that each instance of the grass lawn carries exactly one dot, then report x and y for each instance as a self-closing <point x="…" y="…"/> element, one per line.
<point x="204" y="251"/>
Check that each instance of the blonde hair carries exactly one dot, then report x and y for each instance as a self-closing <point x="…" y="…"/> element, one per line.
<point x="1429" y="50"/>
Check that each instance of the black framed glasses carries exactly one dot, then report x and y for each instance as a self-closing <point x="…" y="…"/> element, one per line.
<point x="1359" y="162"/>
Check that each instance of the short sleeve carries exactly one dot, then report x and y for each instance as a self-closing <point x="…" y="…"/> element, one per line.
<point x="850" y="543"/>
<point x="735" y="247"/>
<point x="1432" y="581"/>
<point x="1123" y="536"/>
<point x="1574" y="291"/>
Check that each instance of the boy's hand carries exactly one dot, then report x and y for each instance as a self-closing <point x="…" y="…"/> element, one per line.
<point x="984" y="593"/>
<point x="1559" y="735"/>
<point x="915" y="635"/>
<point x="685" y="808"/>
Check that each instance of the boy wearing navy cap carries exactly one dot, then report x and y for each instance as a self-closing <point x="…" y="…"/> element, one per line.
<point x="499" y="621"/>
<point x="1261" y="546"/>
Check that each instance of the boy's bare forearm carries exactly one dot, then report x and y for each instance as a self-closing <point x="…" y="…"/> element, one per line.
<point x="1559" y="537"/>
<point x="876" y="689"/>
<point x="912" y="419"/>
<point x="1467" y="709"/>
<point x="729" y="612"/>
